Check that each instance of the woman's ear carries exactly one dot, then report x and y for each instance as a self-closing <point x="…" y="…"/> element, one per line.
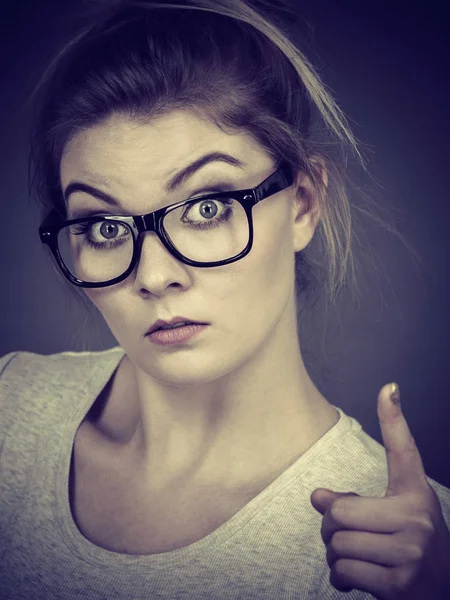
<point x="306" y="204"/>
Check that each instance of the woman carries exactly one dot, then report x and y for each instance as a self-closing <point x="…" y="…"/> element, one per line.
<point x="181" y="179"/>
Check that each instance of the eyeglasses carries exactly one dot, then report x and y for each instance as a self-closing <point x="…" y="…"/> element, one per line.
<point x="99" y="251"/>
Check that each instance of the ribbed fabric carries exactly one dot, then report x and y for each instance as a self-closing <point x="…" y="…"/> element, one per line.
<point x="270" y="549"/>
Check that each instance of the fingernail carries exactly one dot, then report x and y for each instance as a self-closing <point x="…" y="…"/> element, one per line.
<point x="395" y="393"/>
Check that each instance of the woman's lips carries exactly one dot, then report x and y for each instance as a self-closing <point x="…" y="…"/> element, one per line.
<point x="160" y="323"/>
<point x="176" y="335"/>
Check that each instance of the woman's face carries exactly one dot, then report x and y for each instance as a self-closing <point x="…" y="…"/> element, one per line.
<point x="245" y="302"/>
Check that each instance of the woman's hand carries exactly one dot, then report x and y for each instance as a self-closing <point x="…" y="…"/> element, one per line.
<point x="393" y="547"/>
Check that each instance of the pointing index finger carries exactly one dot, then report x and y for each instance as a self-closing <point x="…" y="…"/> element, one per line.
<point x="405" y="467"/>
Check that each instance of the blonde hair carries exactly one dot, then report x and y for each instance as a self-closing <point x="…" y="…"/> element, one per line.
<point x="236" y="63"/>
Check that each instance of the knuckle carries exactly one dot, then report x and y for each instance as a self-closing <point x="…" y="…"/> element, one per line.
<point x="339" y="568"/>
<point x="410" y="446"/>
<point x="336" y="542"/>
<point x="423" y="523"/>
<point x="415" y="552"/>
<point x="400" y="581"/>
<point x="331" y="556"/>
<point x="337" y="509"/>
<point x="396" y="581"/>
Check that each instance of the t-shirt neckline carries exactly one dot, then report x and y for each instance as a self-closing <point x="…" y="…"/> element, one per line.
<point x="105" y="364"/>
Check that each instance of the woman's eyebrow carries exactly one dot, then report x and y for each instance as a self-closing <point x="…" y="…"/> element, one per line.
<point x="212" y="184"/>
<point x="174" y="183"/>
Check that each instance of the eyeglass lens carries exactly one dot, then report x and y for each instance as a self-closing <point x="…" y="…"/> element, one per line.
<point x="205" y="231"/>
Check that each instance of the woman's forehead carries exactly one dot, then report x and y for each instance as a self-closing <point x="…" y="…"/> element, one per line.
<point x="121" y="147"/>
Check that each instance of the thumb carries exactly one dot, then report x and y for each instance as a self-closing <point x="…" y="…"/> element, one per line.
<point x="323" y="498"/>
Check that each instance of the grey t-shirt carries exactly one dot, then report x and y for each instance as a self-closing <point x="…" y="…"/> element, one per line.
<point x="270" y="549"/>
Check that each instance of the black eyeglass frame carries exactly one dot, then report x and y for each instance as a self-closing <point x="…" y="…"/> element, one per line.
<point x="281" y="179"/>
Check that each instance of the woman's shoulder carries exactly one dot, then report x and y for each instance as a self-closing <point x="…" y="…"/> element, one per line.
<point x="20" y="362"/>
<point x="47" y="385"/>
<point x="24" y="373"/>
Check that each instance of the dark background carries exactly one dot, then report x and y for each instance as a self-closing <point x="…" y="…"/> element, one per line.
<point x="387" y="65"/>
